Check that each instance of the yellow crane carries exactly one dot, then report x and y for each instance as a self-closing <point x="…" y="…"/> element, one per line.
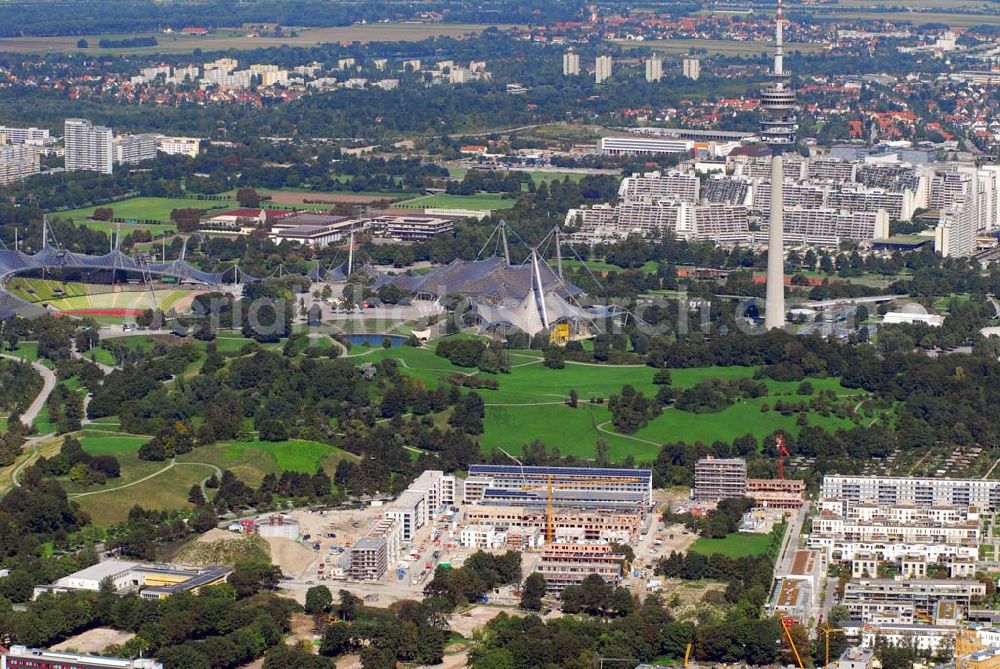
<point x="550" y="487"/>
<point x="786" y="624"/>
<point x="687" y="655"/>
<point x="827" y="630"/>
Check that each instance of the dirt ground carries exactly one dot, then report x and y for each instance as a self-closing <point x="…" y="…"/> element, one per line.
<point x="469" y="621"/>
<point x="217" y="535"/>
<point x="293" y="558"/>
<point x="94" y="641"/>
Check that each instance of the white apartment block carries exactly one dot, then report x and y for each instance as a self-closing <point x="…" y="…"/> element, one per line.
<point x="413" y="64"/>
<point x="18" y="162"/>
<point x="152" y="73"/>
<point x="921" y="492"/>
<point x="691" y="67"/>
<point x="602" y="69"/>
<point x="36" y="136"/>
<point x="485" y="537"/>
<point x="906" y="600"/>
<point x="831" y="169"/>
<point x="654" y="68"/>
<point x="422" y="499"/>
<point x="848" y="530"/>
<point x="795" y="194"/>
<point x="957" y="229"/>
<point x="823" y="226"/>
<point x="656" y="186"/>
<point x="178" y="146"/>
<point x="88" y="146"/>
<point x="571" y="64"/>
<point x="899" y="204"/>
<point x="225" y="79"/>
<point x="134" y="149"/>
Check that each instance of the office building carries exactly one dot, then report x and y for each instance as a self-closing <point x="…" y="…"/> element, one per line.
<point x="178" y="146"/>
<point x="720" y="478"/>
<point x="571" y="64"/>
<point x="23" y="135"/>
<point x="654" y="68"/>
<point x="18" y="162"/>
<point x="134" y="149"/>
<point x="920" y="492"/>
<point x="88" y="146"/>
<point x="691" y="67"/>
<point x="368" y="559"/>
<point x="635" y="146"/>
<point x="411" y="228"/>
<point x="22" y="657"/>
<point x="602" y="69"/>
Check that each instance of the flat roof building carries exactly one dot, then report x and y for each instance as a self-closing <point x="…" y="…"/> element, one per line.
<point x="922" y="492"/>
<point x="151" y="581"/>
<point x="720" y="478"/>
<point x="22" y="657"/>
<point x="576" y="479"/>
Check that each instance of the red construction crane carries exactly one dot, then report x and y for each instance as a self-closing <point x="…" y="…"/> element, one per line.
<point x="782" y="454"/>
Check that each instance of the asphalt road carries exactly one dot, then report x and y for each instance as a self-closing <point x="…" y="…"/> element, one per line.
<point x="48" y="385"/>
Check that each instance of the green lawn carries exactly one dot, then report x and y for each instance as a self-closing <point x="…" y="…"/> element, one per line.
<point x="530" y="404"/>
<point x="538" y="176"/>
<point x="168" y="491"/>
<point x="252" y="460"/>
<point x="143" y="209"/>
<point x="735" y="545"/>
<point x="601" y="266"/>
<point x="445" y="201"/>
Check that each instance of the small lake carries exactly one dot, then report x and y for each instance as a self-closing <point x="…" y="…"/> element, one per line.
<point x="375" y="339"/>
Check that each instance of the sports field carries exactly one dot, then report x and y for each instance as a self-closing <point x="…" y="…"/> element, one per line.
<point x="43" y="290"/>
<point x="143" y="209"/>
<point x="530" y="404"/>
<point x="444" y="201"/>
<point x="125" y="301"/>
<point x="228" y="40"/>
<point x="538" y="176"/>
<point x="719" y="47"/>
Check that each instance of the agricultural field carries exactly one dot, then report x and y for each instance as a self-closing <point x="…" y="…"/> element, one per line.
<point x="734" y="546"/>
<point x="229" y="40"/>
<point x="143" y="209"/>
<point x="951" y="19"/>
<point x="530" y="404"/>
<point x="716" y="46"/>
<point x="445" y="201"/>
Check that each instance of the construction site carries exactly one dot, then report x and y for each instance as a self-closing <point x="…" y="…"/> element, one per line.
<point x="567" y="522"/>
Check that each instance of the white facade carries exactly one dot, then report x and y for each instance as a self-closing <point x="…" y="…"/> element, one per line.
<point x="923" y="492"/>
<point x="134" y="149"/>
<point x="603" y="68"/>
<point x="571" y="64"/>
<point x="657" y="185"/>
<point x="485" y="537"/>
<point x="88" y="146"/>
<point x="617" y="146"/>
<point x="420" y="502"/>
<point x="18" y="162"/>
<point x="178" y="146"/>
<point x="691" y="67"/>
<point x="23" y="135"/>
<point x="654" y="68"/>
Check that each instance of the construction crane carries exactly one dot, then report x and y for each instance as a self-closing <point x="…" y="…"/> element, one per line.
<point x="783" y="453"/>
<point x="827" y="630"/>
<point x="551" y="487"/>
<point x="786" y="624"/>
<point x="687" y="655"/>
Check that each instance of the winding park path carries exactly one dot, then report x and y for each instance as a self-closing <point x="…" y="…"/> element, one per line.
<point x="173" y="463"/>
<point x="600" y="428"/>
<point x="48" y="385"/>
